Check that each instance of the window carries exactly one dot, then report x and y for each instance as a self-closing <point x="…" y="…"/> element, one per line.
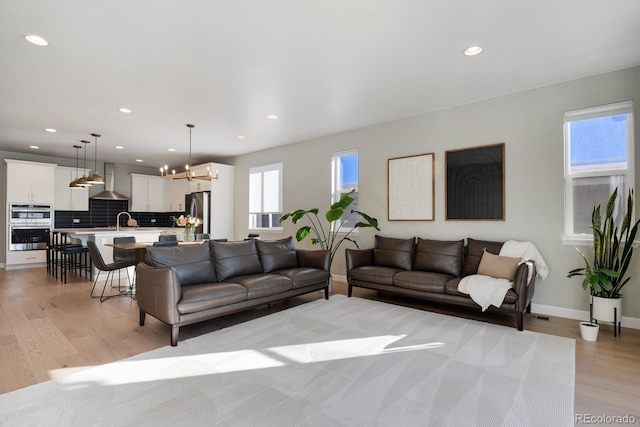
<point x="265" y="197"/>
<point x="344" y="178"/>
<point x="599" y="157"/>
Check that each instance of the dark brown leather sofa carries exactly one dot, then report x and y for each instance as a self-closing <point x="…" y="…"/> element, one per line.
<point x="432" y="269"/>
<point x="182" y="285"/>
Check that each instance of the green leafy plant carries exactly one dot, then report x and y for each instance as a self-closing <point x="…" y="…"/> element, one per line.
<point x="612" y="248"/>
<point x="331" y="238"/>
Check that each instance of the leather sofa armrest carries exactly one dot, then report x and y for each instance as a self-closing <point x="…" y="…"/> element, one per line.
<point x="358" y="258"/>
<point x="314" y="259"/>
<point x="523" y="286"/>
<point x="158" y="292"/>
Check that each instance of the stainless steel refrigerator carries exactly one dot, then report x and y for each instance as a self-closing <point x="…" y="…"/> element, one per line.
<point x="199" y="204"/>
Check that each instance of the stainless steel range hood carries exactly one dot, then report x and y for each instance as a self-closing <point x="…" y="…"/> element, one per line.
<point x="109" y="185"/>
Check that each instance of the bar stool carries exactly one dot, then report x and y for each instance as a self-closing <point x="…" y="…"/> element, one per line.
<point x="64" y="255"/>
<point x="77" y="260"/>
<point x="49" y="251"/>
<point x="110" y="269"/>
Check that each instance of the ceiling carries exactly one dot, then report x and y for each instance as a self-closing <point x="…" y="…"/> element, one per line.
<point x="322" y="66"/>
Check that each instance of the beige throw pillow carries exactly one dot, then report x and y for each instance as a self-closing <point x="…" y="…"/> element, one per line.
<point x="500" y="267"/>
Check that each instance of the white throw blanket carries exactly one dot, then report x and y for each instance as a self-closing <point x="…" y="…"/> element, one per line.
<point x="528" y="251"/>
<point x="485" y="290"/>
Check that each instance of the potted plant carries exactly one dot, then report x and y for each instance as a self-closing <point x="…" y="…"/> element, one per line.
<point x="612" y="253"/>
<point x="335" y="234"/>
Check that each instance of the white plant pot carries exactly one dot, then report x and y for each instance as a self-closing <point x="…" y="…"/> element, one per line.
<point x="589" y="331"/>
<point x="603" y="309"/>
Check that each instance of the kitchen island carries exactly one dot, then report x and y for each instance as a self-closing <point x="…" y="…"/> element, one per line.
<point x="103" y="236"/>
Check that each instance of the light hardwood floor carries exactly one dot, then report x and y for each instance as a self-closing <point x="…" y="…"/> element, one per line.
<point x="48" y="329"/>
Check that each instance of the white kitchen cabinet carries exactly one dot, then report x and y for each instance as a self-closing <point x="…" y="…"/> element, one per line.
<point x="201" y="170"/>
<point x="66" y="198"/>
<point x="147" y="193"/>
<point x="174" y="192"/>
<point x="30" y="182"/>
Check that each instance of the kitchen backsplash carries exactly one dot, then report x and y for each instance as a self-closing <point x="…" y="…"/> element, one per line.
<point x="103" y="213"/>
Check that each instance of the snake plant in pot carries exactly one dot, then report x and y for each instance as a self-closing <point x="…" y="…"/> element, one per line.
<point x="336" y="232"/>
<point x="605" y="276"/>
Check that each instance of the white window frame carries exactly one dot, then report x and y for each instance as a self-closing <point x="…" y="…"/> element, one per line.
<point x="276" y="226"/>
<point x="336" y="190"/>
<point x="619" y="108"/>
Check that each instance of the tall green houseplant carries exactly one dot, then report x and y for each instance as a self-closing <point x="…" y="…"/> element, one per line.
<point x="331" y="238"/>
<point x="612" y="248"/>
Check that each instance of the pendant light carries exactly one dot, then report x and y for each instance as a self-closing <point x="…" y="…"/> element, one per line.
<point x="189" y="174"/>
<point x="95" y="177"/>
<point x="82" y="182"/>
<point x="73" y="185"/>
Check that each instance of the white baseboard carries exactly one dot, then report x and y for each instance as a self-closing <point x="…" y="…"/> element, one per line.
<point x="550" y="310"/>
<point x="339" y="278"/>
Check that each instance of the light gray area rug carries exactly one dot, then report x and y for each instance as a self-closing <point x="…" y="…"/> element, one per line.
<point x="346" y="361"/>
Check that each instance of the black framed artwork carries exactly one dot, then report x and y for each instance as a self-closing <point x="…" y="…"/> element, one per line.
<point x="475" y="183"/>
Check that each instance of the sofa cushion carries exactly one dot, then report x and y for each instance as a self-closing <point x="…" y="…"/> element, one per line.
<point x="210" y="295"/>
<point x="475" y="248"/>
<point x="277" y="254"/>
<point x="305" y="276"/>
<point x="235" y="258"/>
<point x="500" y="267"/>
<point x="439" y="256"/>
<point x="193" y="263"/>
<point x="263" y="285"/>
<point x="422" y="281"/>
<point x="374" y="274"/>
<point x="394" y="253"/>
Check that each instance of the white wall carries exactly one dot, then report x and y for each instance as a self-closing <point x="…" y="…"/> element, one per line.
<point x="529" y="123"/>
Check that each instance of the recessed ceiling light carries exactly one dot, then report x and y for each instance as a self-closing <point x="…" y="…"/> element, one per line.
<point x="37" y="40"/>
<point x="272" y="117"/>
<point x="171" y="149"/>
<point x="139" y="160"/>
<point x="240" y="136"/>
<point x="124" y="110"/>
<point x="473" y="50"/>
<point x="119" y="147"/>
<point x="52" y="130"/>
<point x="35" y="147"/>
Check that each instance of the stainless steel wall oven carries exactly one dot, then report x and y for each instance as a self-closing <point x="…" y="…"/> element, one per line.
<point x="29" y="226"/>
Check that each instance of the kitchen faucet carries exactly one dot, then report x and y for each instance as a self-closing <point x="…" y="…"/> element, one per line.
<point x="118" y="219"/>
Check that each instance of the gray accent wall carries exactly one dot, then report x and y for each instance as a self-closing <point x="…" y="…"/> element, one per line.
<point x="530" y="123"/>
